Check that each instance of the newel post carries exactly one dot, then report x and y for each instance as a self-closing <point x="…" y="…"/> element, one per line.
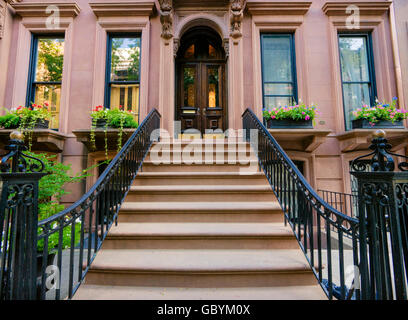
<point x="383" y="214"/>
<point x="19" y="179"/>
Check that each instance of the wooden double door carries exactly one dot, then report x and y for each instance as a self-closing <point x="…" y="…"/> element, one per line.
<point x="201" y="96"/>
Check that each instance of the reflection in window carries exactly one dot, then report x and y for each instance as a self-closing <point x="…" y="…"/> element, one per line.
<point x="189" y="86"/>
<point x="212" y="53"/>
<point x="278" y="70"/>
<point x="190" y="52"/>
<point x="213" y="87"/>
<point x="356" y="73"/>
<point x="46" y="77"/>
<point x="124" y="81"/>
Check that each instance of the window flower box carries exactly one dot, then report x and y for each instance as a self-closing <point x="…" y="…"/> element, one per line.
<point x="103" y="118"/>
<point x="289" y="124"/>
<point x="290" y="117"/>
<point x="382" y="116"/>
<point x="382" y="124"/>
<point x="27" y="118"/>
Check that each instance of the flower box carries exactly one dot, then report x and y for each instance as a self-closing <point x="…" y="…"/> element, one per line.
<point x="42" y="124"/>
<point x="381" y="115"/>
<point x="289" y="124"/>
<point x="382" y="124"/>
<point x="101" y="123"/>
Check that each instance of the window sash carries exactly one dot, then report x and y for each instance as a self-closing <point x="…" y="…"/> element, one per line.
<point x="32" y="83"/>
<point x="109" y="83"/>
<point x="372" y="91"/>
<point x="292" y="82"/>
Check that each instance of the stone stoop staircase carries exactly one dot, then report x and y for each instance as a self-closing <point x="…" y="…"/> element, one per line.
<point x="201" y="231"/>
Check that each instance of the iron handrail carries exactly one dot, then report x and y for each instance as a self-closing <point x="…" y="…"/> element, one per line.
<point x="347" y="203"/>
<point x="310" y="217"/>
<point x="97" y="209"/>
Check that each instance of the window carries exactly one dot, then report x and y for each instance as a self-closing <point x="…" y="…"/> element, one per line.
<point x="278" y="70"/>
<point x="45" y="76"/>
<point x="357" y="73"/>
<point x="123" y="73"/>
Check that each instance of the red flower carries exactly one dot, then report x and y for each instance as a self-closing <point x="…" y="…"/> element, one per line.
<point x="20" y="107"/>
<point x="46" y="104"/>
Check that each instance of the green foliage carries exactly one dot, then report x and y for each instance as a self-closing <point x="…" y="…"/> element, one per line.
<point x="115" y="118"/>
<point x="26" y="118"/>
<point x="381" y="112"/>
<point x="10" y="120"/>
<point x="51" y="190"/>
<point x="121" y="119"/>
<point x="298" y="112"/>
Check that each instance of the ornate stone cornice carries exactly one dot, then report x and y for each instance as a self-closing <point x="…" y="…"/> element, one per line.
<point x="114" y="9"/>
<point x="40" y="9"/>
<point x="236" y="15"/>
<point x="166" y="18"/>
<point x="278" y="8"/>
<point x="3" y="8"/>
<point x="372" y="8"/>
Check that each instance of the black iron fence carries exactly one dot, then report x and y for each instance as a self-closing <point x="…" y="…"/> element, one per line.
<point x="349" y="256"/>
<point x="346" y="203"/>
<point x="58" y="252"/>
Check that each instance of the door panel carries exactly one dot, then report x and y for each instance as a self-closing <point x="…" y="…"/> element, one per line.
<point x="201" y="96"/>
<point x="189" y="101"/>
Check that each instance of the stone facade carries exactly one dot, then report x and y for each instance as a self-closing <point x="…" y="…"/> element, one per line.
<point x="325" y="151"/>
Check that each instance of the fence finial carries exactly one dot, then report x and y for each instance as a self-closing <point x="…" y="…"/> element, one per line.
<point x="16" y="161"/>
<point x="379" y="134"/>
<point x="381" y="157"/>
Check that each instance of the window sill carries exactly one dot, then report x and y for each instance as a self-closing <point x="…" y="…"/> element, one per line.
<point x="45" y="140"/>
<point x="360" y="139"/>
<point x="307" y="140"/>
<point x="84" y="136"/>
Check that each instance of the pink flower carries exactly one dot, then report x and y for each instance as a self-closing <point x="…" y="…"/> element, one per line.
<point x="307" y="118"/>
<point x="273" y="117"/>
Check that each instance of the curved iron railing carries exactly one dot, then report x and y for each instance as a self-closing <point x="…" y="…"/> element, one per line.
<point x="75" y="235"/>
<point x="328" y="237"/>
<point x="346" y="203"/>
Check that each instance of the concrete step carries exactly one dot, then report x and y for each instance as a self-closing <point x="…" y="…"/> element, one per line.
<point x="218" y="144"/>
<point x="199" y="178"/>
<point x="200" y="193"/>
<point x="201" y="212"/>
<point x="95" y="292"/>
<point x="201" y="268"/>
<point x="244" y="167"/>
<point x="200" y="236"/>
<point x="205" y="155"/>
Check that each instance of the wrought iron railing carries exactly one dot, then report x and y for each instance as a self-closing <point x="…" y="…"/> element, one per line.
<point x="70" y="240"/>
<point x="346" y="203"/>
<point x="331" y="255"/>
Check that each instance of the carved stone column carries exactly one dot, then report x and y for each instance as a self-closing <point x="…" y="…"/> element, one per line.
<point x="236" y="64"/>
<point x="3" y="8"/>
<point x="166" y="85"/>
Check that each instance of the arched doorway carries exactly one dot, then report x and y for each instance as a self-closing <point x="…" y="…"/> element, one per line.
<point x="200" y="81"/>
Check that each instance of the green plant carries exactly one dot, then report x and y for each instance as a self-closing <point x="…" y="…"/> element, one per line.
<point x="121" y="119"/>
<point x="380" y="112"/>
<point x="115" y="118"/>
<point x="51" y="190"/>
<point x="297" y="112"/>
<point x="9" y="120"/>
<point x="27" y="118"/>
